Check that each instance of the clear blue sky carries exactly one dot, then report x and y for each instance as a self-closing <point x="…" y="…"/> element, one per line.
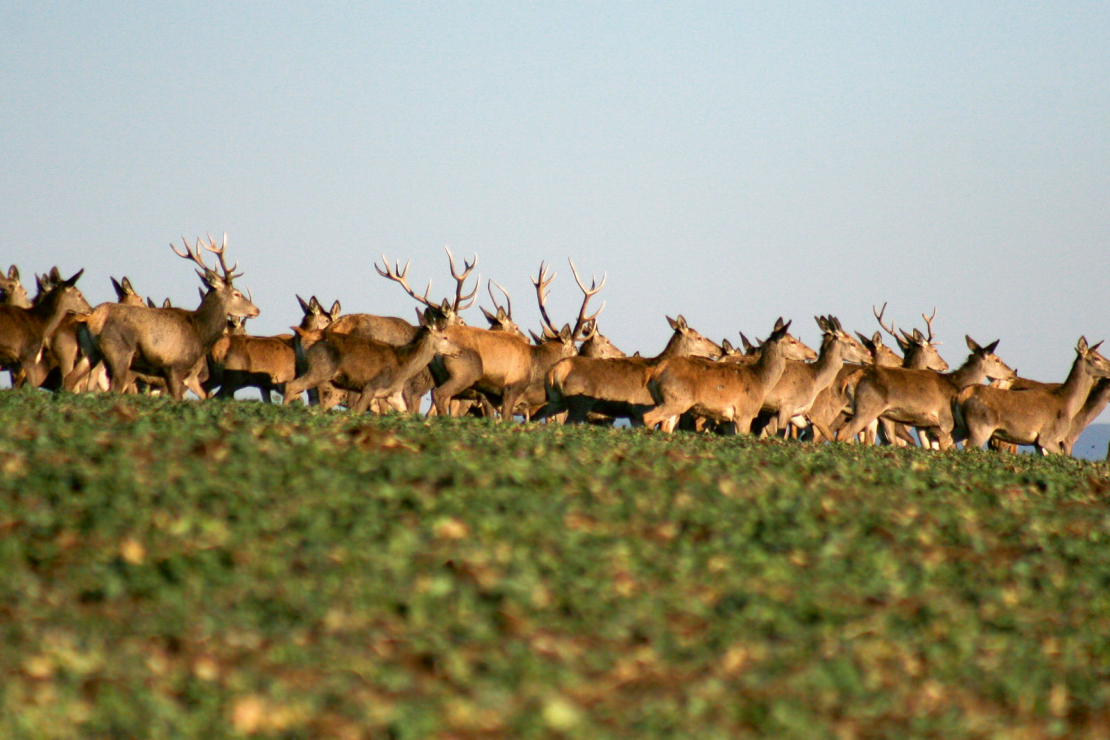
<point x="730" y="162"/>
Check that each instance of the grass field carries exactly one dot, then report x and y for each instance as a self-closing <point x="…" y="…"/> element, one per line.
<point x="207" y="570"/>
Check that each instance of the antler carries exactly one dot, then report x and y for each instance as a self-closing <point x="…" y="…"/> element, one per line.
<point x="219" y="252"/>
<point x="591" y="292"/>
<point x="541" y="284"/>
<point x="192" y="254"/>
<point x="508" y="301"/>
<point x="461" y="279"/>
<point x="399" y="276"/>
<point x="879" y="316"/>
<point x="929" y="325"/>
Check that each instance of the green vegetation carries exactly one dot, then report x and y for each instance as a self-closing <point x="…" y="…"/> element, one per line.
<point x="177" y="570"/>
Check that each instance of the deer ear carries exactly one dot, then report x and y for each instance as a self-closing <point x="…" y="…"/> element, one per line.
<point x="489" y="317"/>
<point x="535" y="339"/>
<point x="427" y="320"/>
<point x="211" y="279"/>
<point x="726" y="345"/>
<point x="990" y="348"/>
<point x="1082" y="347"/>
<point x="501" y="315"/>
<point x="971" y="343"/>
<point x="13" y="273"/>
<point x="166" y="303"/>
<point x="55" y="275"/>
<point x="1091" y="349"/>
<point x="73" y="280"/>
<point x="150" y="302"/>
<point x="335" y="309"/>
<point x="126" y="284"/>
<point x="565" y="333"/>
<point x="304" y="306"/>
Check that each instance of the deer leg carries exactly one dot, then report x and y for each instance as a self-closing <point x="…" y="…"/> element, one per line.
<point x="508" y="402"/>
<point x="578" y="408"/>
<point x="119" y="372"/>
<point x="661" y="413"/>
<point x="80" y="372"/>
<point x="365" y="400"/>
<point x="176" y="384"/>
<point x="192" y="382"/>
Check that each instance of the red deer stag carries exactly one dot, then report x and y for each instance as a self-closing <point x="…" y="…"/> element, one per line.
<point x="169" y="342"/>
<point x="498" y="364"/>
<point x="375" y="370"/>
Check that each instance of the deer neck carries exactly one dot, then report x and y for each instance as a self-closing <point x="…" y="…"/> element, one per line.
<point x="770" y="365"/>
<point x="416" y="355"/>
<point x="914" y="358"/>
<point x="828" y="362"/>
<point x="210" y="319"/>
<point x="50" y="313"/>
<point x="1077" y="386"/>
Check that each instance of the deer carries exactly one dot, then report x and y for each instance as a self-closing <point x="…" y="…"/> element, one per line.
<point x="556" y="345"/>
<point x="171" y="343"/>
<point x="617" y="386"/>
<point x="374" y="369"/>
<point x="12" y="292"/>
<point x="239" y="360"/>
<point x="796" y="390"/>
<point x="1042" y="417"/>
<point x="919" y="352"/>
<point x="72" y="367"/>
<point x="26" y="332"/>
<point x="728" y="393"/>
<point x="498" y="364"/>
<point x="921" y="398"/>
<point x="829" y="410"/>
<point x="397" y="331"/>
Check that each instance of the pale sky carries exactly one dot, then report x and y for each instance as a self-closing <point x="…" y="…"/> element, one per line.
<point x="731" y="162"/>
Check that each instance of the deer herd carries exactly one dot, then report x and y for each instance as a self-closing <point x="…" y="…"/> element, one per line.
<point x="853" y="387"/>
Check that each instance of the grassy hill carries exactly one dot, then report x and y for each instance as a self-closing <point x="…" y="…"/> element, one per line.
<point x="226" y="569"/>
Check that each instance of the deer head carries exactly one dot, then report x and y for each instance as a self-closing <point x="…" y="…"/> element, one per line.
<point x="12" y="292"/>
<point x="220" y="286"/>
<point x="993" y="367"/>
<point x="690" y="342"/>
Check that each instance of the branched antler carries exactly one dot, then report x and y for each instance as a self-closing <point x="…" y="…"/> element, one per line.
<point x="508" y="309"/>
<point x="542" y="282"/>
<point x="879" y="316"/>
<point x="468" y="267"/>
<point x="397" y="275"/>
<point x="589" y="293"/>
